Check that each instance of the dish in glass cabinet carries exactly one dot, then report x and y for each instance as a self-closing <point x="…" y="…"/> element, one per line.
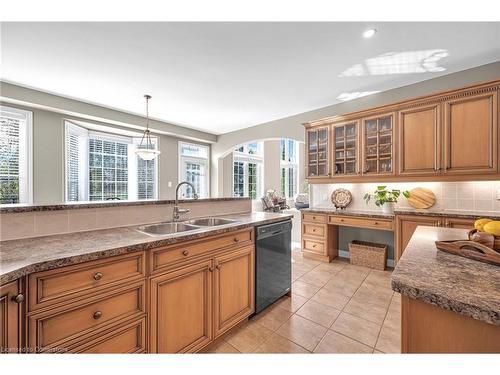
<point x="341" y="198"/>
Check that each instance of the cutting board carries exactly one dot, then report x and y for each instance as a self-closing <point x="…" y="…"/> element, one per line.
<point x="421" y="198"/>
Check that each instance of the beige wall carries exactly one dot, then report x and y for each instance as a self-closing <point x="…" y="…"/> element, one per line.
<point x="291" y="127"/>
<point x="48" y="140"/>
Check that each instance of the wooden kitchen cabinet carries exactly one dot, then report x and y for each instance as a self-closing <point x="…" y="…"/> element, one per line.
<point x="378" y="144"/>
<point x="181" y="309"/>
<point x="11" y="305"/>
<point x="419" y="140"/>
<point x="318" y="156"/>
<point x="234" y="297"/>
<point x="319" y="240"/>
<point x="459" y="223"/>
<point x="345" y="143"/>
<point x="406" y="225"/>
<point x="471" y="134"/>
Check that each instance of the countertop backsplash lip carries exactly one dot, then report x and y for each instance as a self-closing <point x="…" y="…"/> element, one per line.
<point x="21" y="257"/>
<point x="8" y="208"/>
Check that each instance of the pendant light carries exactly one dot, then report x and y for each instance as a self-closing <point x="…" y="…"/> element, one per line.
<point x="146" y="150"/>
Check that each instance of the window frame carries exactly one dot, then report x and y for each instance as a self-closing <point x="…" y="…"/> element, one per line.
<point x="288" y="164"/>
<point x="26" y="157"/>
<point x="246" y="158"/>
<point x="132" y="162"/>
<point x="183" y="159"/>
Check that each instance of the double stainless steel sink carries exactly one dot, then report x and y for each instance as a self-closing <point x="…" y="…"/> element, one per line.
<point x="166" y="228"/>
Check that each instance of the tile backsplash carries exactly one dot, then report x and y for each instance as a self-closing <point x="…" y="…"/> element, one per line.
<point x="464" y="196"/>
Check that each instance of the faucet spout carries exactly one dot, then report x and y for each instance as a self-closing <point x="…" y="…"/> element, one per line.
<point x="178" y="211"/>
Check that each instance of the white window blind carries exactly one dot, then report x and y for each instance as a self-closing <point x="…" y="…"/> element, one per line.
<point x="101" y="166"/>
<point x="15" y="156"/>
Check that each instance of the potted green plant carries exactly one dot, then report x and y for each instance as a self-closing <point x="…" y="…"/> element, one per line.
<point x="386" y="198"/>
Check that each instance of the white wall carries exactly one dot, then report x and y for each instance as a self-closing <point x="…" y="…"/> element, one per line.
<point x="291" y="127"/>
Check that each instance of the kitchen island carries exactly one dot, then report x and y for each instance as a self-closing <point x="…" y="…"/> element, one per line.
<point x="450" y="304"/>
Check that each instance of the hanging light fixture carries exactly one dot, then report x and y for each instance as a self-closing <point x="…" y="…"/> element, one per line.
<point x="146" y="150"/>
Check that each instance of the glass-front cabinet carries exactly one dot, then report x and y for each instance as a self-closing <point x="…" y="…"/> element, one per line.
<point x="378" y="144"/>
<point x="317" y="152"/>
<point x="345" y="149"/>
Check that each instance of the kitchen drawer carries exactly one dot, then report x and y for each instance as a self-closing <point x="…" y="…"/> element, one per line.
<point x="361" y="222"/>
<point x="128" y="337"/>
<point x="316" y="230"/>
<point x="55" y="286"/>
<point x="173" y="254"/>
<point x="79" y="320"/>
<point x="317" y="247"/>
<point x="317" y="218"/>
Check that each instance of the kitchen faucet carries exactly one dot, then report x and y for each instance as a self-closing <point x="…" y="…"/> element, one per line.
<point x="178" y="211"/>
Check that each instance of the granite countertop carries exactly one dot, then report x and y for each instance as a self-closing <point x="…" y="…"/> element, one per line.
<point x="494" y="215"/>
<point x="347" y="212"/>
<point x="10" y="208"/>
<point x="24" y="256"/>
<point x="452" y="282"/>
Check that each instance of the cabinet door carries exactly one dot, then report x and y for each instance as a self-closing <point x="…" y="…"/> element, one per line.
<point x="378" y="145"/>
<point x="234" y="288"/>
<point x="419" y="134"/>
<point x="460" y="223"/>
<point x="181" y="309"/>
<point x="10" y="318"/>
<point x="318" y="164"/>
<point x="471" y="132"/>
<point x="406" y="226"/>
<point x="345" y="144"/>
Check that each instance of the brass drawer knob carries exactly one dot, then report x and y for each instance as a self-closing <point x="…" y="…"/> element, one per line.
<point x="98" y="276"/>
<point x="185" y="253"/>
<point x="236" y="239"/>
<point x="97" y="315"/>
<point x="210" y="269"/>
<point x="314" y="217"/>
<point x="375" y="222"/>
<point x="314" y="245"/>
<point x="218" y="266"/>
<point x="19" y="298"/>
<point x="314" y="230"/>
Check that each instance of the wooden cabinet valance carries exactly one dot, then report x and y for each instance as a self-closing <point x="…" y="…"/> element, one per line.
<point x="449" y="136"/>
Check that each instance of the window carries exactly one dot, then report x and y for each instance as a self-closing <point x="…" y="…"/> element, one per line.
<point x="289" y="167"/>
<point x="193" y="167"/>
<point x="102" y="166"/>
<point x="15" y="156"/>
<point x="247" y="170"/>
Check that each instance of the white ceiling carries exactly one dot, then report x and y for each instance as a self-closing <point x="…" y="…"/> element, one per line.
<point x="220" y="77"/>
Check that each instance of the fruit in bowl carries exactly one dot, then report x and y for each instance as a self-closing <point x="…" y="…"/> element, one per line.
<point x="487" y="232"/>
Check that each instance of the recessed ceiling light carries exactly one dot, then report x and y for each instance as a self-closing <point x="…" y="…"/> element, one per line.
<point x="369" y="33"/>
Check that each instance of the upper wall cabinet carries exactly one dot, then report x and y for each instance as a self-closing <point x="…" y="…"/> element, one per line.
<point x="449" y="136"/>
<point x="318" y="157"/>
<point x="345" y="143"/>
<point x="471" y="134"/>
<point x="378" y="145"/>
<point x="419" y="140"/>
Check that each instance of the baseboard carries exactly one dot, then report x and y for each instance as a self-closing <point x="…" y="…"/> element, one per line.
<point x="345" y="254"/>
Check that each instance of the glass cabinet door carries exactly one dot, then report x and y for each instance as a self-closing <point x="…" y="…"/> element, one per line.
<point x="345" y="149"/>
<point x="378" y="140"/>
<point x="317" y="152"/>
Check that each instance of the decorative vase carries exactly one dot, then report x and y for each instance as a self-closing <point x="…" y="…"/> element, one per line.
<point x="388" y="208"/>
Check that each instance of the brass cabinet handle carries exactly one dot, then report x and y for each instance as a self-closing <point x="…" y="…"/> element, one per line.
<point x="314" y="217"/>
<point x="210" y="269"/>
<point x="218" y="266"/>
<point x="97" y="315"/>
<point x="18" y="298"/>
<point x="314" y="245"/>
<point x="375" y="222"/>
<point x="185" y="253"/>
<point x="236" y="239"/>
<point x="98" y="276"/>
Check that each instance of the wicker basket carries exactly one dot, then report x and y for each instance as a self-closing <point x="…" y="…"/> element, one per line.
<point x="368" y="254"/>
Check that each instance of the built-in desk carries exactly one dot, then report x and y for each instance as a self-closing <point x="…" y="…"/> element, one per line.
<point x="320" y="229"/>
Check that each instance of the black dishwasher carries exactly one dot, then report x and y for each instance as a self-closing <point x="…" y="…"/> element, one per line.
<point x="273" y="263"/>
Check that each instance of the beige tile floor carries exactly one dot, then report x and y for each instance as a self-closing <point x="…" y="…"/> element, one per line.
<point x="334" y="308"/>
